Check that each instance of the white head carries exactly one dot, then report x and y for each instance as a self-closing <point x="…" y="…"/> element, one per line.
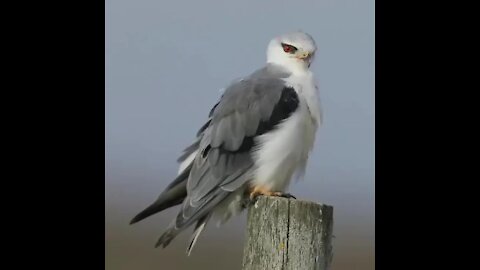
<point x="294" y="51"/>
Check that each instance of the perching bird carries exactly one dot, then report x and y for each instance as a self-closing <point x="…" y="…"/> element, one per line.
<point x="257" y="138"/>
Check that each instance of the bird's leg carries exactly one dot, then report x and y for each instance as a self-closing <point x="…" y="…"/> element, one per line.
<point x="261" y="190"/>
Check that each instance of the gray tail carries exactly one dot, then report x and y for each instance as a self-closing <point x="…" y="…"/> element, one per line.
<point x="172" y="232"/>
<point x="173" y="195"/>
<point x="201" y="223"/>
<point x="167" y="237"/>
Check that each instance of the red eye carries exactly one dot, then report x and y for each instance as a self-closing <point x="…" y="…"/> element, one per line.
<point x="288" y="48"/>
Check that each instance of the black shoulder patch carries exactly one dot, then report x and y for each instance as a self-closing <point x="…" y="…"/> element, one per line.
<point x="287" y="104"/>
<point x="285" y="107"/>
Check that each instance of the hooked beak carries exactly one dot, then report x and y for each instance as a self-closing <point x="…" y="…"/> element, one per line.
<point x="304" y="55"/>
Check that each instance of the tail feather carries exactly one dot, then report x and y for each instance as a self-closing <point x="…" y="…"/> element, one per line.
<point x="172" y="232"/>
<point x="174" y="194"/>
<point x="167" y="237"/>
<point x="158" y="207"/>
<point x="196" y="233"/>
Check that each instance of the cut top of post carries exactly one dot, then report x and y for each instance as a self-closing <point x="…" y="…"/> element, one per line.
<point x="288" y="234"/>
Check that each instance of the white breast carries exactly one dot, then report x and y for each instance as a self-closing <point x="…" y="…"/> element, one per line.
<point x="285" y="151"/>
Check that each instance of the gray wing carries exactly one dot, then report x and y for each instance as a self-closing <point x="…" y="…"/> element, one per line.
<point x="247" y="109"/>
<point x="269" y="72"/>
<point x="194" y="146"/>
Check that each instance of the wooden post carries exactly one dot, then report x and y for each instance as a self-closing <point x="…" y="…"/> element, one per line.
<point x="288" y="234"/>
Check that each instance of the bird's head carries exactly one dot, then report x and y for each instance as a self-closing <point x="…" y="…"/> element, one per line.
<point x="294" y="51"/>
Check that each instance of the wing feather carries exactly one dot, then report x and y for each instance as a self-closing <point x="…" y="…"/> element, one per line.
<point x="223" y="163"/>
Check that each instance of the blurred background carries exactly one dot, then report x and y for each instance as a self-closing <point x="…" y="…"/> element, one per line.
<point x="165" y="63"/>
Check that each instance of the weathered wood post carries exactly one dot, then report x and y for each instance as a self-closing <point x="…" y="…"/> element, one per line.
<point x="288" y="234"/>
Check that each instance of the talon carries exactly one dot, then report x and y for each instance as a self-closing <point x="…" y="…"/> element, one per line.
<point x="258" y="190"/>
<point x="253" y="197"/>
<point x="255" y="192"/>
<point x="288" y="196"/>
<point x="284" y="195"/>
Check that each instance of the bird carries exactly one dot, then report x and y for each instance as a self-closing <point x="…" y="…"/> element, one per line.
<point x="255" y="140"/>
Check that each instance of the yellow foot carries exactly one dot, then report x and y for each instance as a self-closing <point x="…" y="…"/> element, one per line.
<point x="259" y="190"/>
